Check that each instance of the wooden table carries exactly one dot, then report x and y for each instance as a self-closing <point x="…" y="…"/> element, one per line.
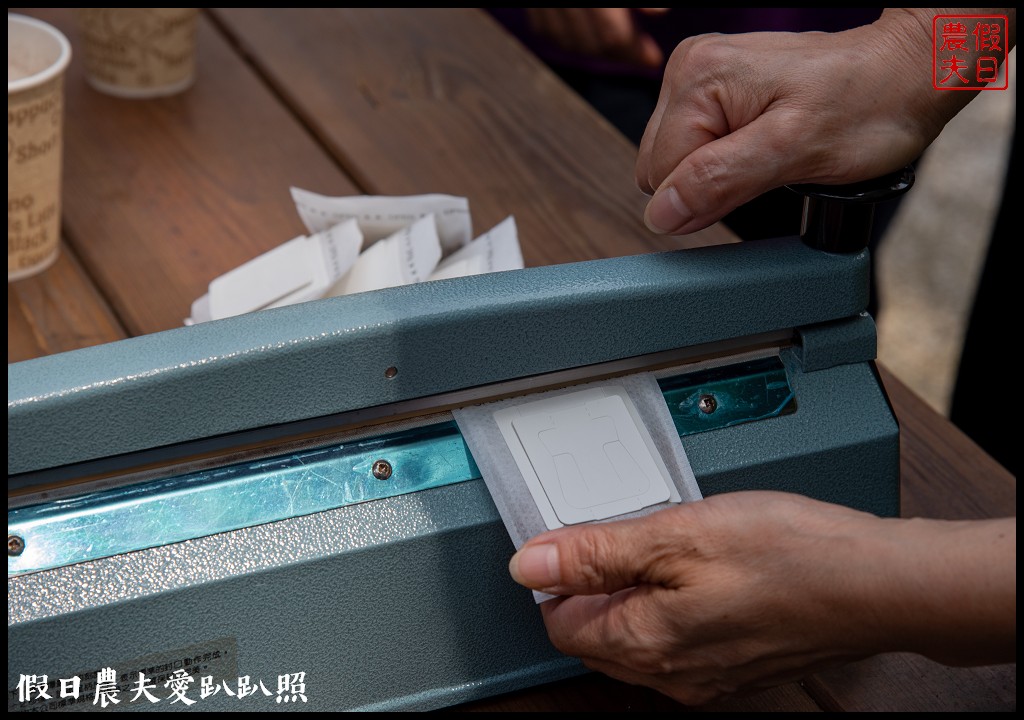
<point x="162" y="196"/>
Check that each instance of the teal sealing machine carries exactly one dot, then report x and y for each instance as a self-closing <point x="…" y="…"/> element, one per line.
<point x="286" y="492"/>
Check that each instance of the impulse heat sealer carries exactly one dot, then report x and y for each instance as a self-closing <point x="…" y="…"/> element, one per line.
<point x="286" y="491"/>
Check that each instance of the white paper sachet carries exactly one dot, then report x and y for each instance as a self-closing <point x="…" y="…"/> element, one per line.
<point x="200" y="310"/>
<point x="408" y="256"/>
<point x="496" y="250"/>
<point x="521" y="468"/>
<point x="340" y="245"/>
<point x="380" y="216"/>
<point x="299" y="270"/>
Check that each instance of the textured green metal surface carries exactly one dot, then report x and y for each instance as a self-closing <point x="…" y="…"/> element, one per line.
<point x="841" y="445"/>
<point x="181" y="507"/>
<point x="405" y="602"/>
<point x="330" y="356"/>
<point x="840" y="342"/>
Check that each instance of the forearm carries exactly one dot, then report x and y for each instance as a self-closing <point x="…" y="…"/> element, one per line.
<point x="947" y="590"/>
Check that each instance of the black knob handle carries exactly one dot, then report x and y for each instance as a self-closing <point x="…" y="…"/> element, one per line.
<point x="837" y="218"/>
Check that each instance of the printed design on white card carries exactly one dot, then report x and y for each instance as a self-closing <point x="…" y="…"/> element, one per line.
<point x="585" y="456"/>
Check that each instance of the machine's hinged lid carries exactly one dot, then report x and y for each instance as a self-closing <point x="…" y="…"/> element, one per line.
<point x="372" y="349"/>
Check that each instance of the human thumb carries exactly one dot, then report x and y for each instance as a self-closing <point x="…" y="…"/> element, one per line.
<point x="592" y="559"/>
<point x="719" y="176"/>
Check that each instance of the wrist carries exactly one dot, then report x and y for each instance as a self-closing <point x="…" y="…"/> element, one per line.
<point x="906" y="34"/>
<point x="945" y="589"/>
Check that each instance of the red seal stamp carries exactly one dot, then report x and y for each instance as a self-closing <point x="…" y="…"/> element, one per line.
<point x="969" y="52"/>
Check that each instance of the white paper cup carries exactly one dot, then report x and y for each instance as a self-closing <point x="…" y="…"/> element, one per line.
<point x="37" y="56"/>
<point x="139" y="52"/>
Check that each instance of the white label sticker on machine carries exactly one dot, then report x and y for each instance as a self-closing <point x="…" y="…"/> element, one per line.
<point x="586" y="456"/>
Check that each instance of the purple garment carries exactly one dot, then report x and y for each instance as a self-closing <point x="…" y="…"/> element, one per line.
<point x="670" y="28"/>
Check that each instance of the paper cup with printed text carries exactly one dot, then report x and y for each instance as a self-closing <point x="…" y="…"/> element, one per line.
<point x="139" y="52"/>
<point x="37" y="56"/>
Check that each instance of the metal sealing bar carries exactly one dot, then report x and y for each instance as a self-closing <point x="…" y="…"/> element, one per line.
<point x="214" y="500"/>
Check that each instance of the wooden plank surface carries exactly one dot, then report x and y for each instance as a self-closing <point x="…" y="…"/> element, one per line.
<point x="599" y="693"/>
<point x="444" y="100"/>
<point x="57" y="310"/>
<point x="945" y="474"/>
<point x="161" y="196"/>
<point x="910" y="683"/>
